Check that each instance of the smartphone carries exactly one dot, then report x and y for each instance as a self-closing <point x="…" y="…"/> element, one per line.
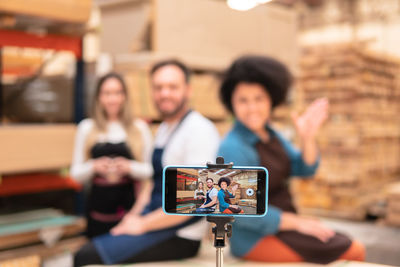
<point x="202" y="191"/>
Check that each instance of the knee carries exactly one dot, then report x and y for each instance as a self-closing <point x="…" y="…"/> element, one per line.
<point x="356" y="252"/>
<point x="87" y="255"/>
<point x="193" y="249"/>
<point x="79" y="258"/>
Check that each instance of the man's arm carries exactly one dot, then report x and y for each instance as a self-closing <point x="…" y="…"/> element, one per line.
<point x="212" y="203"/>
<point x="158" y="220"/>
<point x="155" y="220"/>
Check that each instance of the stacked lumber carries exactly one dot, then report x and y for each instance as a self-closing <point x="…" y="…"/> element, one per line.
<point x="43" y="233"/>
<point x="360" y="142"/>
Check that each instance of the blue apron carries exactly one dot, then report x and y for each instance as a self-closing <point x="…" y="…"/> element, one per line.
<point x="117" y="249"/>
<point x="208" y="200"/>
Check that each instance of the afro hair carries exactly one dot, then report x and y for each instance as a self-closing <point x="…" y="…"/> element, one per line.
<point x="268" y="72"/>
<point x="224" y="179"/>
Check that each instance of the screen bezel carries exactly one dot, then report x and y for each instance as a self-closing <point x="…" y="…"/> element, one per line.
<point x="170" y="186"/>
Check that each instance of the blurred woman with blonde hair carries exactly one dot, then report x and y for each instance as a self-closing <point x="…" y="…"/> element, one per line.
<point x="112" y="149"/>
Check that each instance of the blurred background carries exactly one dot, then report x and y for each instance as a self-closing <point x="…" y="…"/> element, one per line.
<point x="53" y="51"/>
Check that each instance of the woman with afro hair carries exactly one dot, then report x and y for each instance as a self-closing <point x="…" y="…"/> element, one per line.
<point x="224" y="197"/>
<point x="252" y="87"/>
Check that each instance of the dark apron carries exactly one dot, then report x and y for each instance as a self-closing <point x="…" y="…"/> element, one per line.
<point x="199" y="201"/>
<point x="274" y="157"/>
<point x="208" y="199"/>
<point x="209" y="209"/>
<point x="108" y="202"/>
<point x="117" y="249"/>
<point x="227" y="199"/>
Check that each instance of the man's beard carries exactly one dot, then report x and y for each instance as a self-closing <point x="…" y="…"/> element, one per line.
<point x="179" y="107"/>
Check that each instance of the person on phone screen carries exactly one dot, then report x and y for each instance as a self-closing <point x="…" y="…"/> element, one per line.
<point x="199" y="195"/>
<point x="211" y="198"/>
<point x="112" y="150"/>
<point x="184" y="137"/>
<point x="224" y="197"/>
<point x="252" y="87"/>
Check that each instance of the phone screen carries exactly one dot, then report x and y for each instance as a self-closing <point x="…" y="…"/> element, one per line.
<point x="212" y="191"/>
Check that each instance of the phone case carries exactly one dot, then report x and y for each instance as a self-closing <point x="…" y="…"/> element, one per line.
<point x="215" y="214"/>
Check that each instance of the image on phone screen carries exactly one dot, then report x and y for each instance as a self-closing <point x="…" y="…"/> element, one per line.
<point x="204" y="191"/>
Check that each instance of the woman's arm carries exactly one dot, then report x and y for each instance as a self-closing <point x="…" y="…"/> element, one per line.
<point x="82" y="170"/>
<point x="308" y="226"/>
<point x="146" y="187"/>
<point x="276" y="220"/>
<point x="156" y="220"/>
<point x="305" y="162"/>
<point x="298" y="166"/>
<point x="143" y="170"/>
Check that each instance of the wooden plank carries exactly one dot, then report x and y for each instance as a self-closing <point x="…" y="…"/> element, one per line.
<point x="29" y="215"/>
<point x="16" y="59"/>
<point x="181" y="194"/>
<point x="75" y="11"/>
<point x="38" y="224"/>
<point x="30" y="237"/>
<point x="67" y="245"/>
<point x="35" y="147"/>
<point x="26" y="261"/>
<point x="193" y="172"/>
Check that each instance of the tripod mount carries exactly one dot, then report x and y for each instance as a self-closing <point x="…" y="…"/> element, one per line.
<point x="222" y="228"/>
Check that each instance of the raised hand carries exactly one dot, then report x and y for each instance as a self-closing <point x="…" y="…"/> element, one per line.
<point x="234" y="188"/>
<point x="308" y="123"/>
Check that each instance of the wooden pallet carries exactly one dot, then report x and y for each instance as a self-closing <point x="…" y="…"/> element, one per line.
<point x="26" y="261"/>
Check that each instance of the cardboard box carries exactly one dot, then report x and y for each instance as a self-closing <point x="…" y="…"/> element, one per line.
<point x="35" y="147"/>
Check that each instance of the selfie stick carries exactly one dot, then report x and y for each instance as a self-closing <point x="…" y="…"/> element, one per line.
<point x="222" y="226"/>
